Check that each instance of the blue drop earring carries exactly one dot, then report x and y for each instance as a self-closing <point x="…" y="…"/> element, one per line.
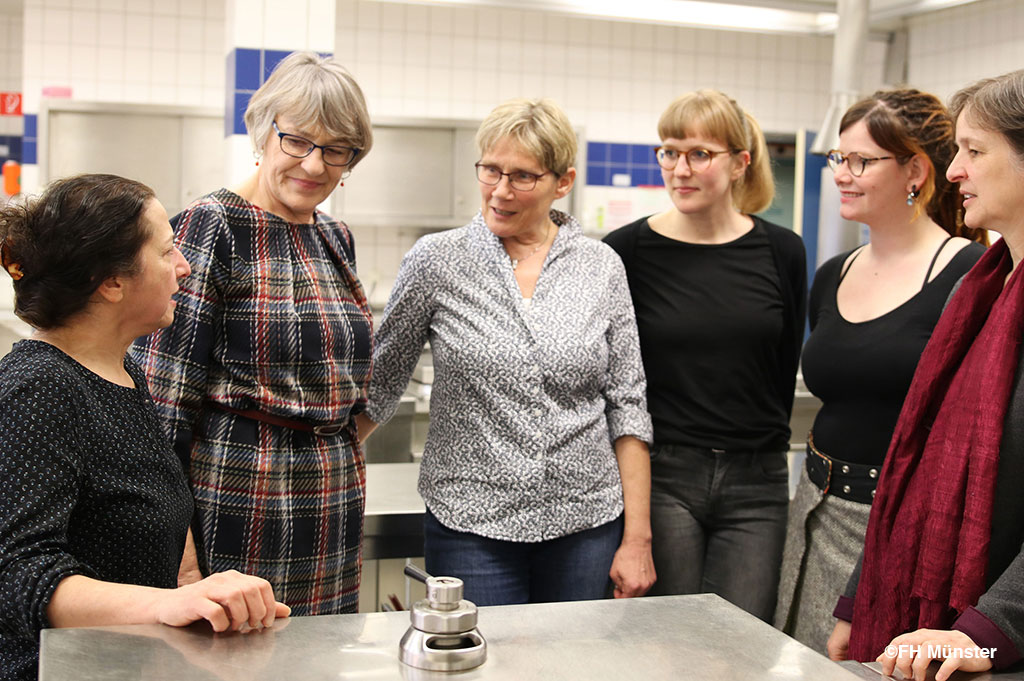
<point x="912" y="195"/>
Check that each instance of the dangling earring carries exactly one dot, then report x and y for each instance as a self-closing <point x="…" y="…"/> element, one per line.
<point x="912" y="195"/>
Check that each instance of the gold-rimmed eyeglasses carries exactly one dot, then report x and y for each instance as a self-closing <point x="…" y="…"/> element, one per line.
<point x="698" y="159"/>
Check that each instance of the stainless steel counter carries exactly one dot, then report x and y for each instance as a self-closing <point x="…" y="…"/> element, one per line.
<point x="674" y="637"/>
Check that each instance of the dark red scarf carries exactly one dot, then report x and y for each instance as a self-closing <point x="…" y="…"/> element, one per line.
<point x="926" y="549"/>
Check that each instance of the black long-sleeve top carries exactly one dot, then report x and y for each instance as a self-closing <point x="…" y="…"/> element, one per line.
<point x="90" y="486"/>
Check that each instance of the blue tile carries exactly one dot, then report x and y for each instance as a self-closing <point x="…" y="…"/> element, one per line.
<point x="237" y="115"/>
<point x="654" y="177"/>
<point x="597" y="152"/>
<point x="619" y="153"/>
<point x="15" y="145"/>
<point x="28" y="151"/>
<point x="271" y="58"/>
<point x="641" y="154"/>
<point x="597" y="174"/>
<point x="247" y="69"/>
<point x="31" y="125"/>
<point x="638" y="176"/>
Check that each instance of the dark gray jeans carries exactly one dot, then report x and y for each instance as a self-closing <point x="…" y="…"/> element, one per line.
<point x="719" y="524"/>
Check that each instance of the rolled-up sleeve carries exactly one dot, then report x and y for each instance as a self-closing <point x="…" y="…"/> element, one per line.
<point x="626" y="388"/>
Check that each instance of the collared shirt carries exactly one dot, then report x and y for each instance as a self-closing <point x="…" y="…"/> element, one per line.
<point x="525" y="405"/>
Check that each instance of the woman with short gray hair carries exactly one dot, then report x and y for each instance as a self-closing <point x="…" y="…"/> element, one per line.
<point x="269" y="354"/>
<point x="535" y="473"/>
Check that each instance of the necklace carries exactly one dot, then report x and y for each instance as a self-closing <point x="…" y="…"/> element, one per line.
<point x="516" y="261"/>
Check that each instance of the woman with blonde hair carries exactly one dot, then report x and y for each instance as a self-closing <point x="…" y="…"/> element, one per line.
<point x="535" y="473"/>
<point x="719" y="297"/>
<point x="268" y="357"/>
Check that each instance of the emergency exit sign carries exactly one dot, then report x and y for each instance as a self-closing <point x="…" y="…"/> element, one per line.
<point x="10" y="103"/>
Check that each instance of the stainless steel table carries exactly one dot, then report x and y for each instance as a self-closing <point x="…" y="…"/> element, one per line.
<point x="674" y="637"/>
<point x="393" y="527"/>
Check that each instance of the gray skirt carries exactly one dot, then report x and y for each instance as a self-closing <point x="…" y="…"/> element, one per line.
<point x="824" y="539"/>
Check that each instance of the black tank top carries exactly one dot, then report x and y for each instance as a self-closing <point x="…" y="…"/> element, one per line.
<point x="862" y="371"/>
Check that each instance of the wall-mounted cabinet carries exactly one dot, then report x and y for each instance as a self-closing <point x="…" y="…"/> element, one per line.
<point x="419" y="174"/>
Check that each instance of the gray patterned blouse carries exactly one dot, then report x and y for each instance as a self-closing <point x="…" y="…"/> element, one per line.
<point x="525" y="405"/>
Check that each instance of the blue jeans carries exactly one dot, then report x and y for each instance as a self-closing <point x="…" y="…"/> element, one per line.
<point x="570" y="568"/>
<point x="719" y="524"/>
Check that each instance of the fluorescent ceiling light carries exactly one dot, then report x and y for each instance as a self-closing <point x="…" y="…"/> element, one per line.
<point x="734" y="17"/>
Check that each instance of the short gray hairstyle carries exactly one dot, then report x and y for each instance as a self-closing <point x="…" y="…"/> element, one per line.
<point x="995" y="104"/>
<point x="315" y="92"/>
<point x="539" y="126"/>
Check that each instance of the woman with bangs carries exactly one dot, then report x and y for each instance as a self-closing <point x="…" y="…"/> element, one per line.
<point x="720" y="297"/>
<point x="268" y="357"/>
<point x="872" y="311"/>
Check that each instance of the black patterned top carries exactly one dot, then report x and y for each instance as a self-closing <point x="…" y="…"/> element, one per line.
<point x="525" y="404"/>
<point x="91" y="486"/>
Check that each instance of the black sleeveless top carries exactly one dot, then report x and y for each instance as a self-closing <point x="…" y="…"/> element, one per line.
<point x="862" y="371"/>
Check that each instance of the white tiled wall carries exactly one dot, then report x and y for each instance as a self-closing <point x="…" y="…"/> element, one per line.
<point x="953" y="47"/>
<point x="139" y="51"/>
<point x="613" y="78"/>
<point x="10" y="67"/>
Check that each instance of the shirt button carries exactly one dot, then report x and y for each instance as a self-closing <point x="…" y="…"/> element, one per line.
<point x="873" y="473"/>
<point x="846" y="469"/>
<point x="846" y="489"/>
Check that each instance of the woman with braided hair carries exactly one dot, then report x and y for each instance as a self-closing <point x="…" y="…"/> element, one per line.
<point x="719" y="296"/>
<point x="873" y="309"/>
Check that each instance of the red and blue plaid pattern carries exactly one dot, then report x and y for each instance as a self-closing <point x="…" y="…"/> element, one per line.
<point x="274" y="319"/>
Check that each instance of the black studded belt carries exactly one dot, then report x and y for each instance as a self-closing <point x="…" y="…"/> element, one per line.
<point x="853" y="481"/>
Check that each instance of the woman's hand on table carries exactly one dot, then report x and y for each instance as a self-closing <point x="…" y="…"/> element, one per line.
<point x="838" y="645"/>
<point x="227" y="600"/>
<point x="632" y="570"/>
<point x="912" y="653"/>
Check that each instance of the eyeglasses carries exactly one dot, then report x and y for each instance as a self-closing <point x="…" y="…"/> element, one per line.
<point x="855" y="162"/>
<point x="300" y="147"/>
<point x="697" y="160"/>
<point x="518" y="179"/>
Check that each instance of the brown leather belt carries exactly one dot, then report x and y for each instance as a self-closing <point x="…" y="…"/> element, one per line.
<point x="325" y="430"/>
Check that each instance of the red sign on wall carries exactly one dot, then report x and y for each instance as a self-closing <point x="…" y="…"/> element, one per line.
<point x="10" y="103"/>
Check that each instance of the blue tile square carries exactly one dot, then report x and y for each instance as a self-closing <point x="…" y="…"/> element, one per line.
<point x="638" y="176"/>
<point x="271" y="58"/>
<point x="247" y="69"/>
<point x="597" y="174"/>
<point x="31" y="125"/>
<point x="654" y="177"/>
<point x="641" y="154"/>
<point x="597" y="152"/>
<point x="619" y="153"/>
<point x="28" y="151"/>
<point x="237" y="114"/>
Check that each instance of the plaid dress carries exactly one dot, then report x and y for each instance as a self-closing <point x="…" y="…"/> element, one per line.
<point x="274" y="319"/>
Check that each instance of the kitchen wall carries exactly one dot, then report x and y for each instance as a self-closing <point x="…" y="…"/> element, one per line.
<point x="954" y="47"/>
<point x="613" y="78"/>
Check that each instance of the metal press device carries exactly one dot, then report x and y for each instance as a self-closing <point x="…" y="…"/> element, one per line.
<point x="443" y="635"/>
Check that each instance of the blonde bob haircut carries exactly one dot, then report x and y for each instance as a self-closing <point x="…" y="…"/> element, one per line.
<point x="539" y="126"/>
<point x="316" y="93"/>
<point x="709" y="113"/>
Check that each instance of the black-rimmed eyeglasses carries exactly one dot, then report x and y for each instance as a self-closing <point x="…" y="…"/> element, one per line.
<point x="300" y="147"/>
<point x="518" y="179"/>
<point x="855" y="162"/>
<point x="697" y="159"/>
